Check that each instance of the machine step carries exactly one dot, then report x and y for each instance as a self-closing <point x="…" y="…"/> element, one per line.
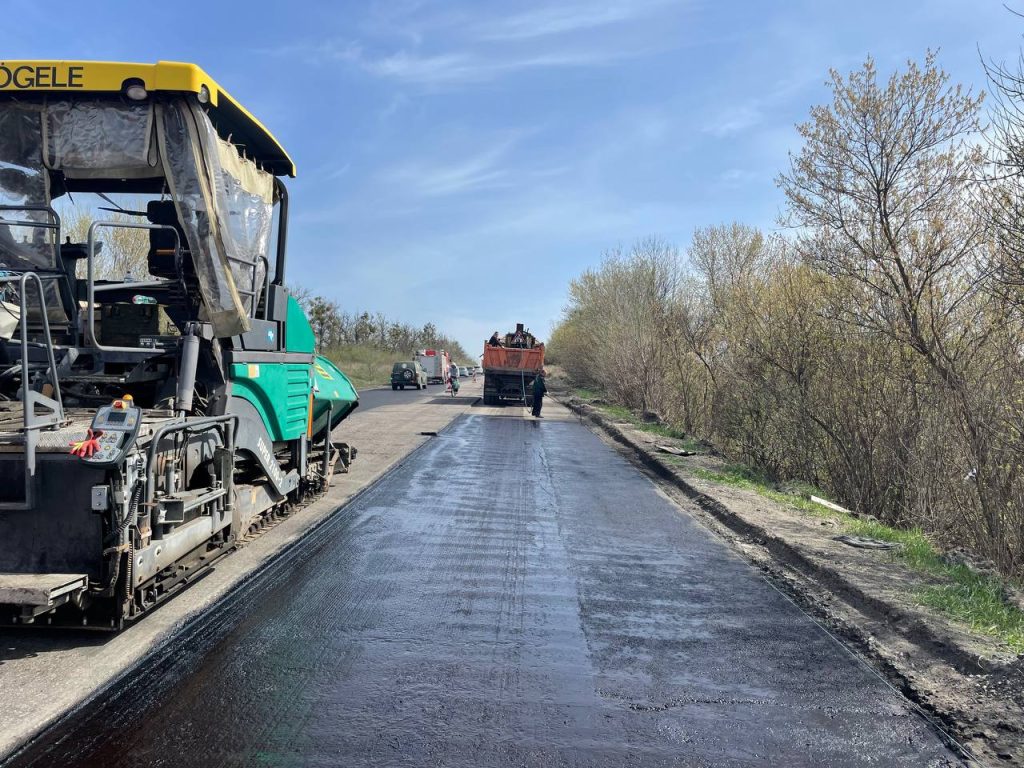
<point x="40" y="589"/>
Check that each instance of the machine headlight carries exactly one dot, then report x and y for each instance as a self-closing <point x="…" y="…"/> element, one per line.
<point x="136" y="92"/>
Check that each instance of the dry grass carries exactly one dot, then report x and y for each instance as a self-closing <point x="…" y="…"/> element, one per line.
<point x="366" y="366"/>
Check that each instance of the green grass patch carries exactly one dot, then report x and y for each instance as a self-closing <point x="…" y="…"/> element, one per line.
<point x="623" y="414"/>
<point x="739" y="476"/>
<point x="980" y="603"/>
<point x="618" y="412"/>
<point x="671" y="432"/>
<point x="971" y="598"/>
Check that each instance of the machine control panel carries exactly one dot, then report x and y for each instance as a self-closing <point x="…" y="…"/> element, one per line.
<point x="113" y="432"/>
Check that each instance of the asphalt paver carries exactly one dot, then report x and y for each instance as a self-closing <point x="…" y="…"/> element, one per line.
<point x="515" y="594"/>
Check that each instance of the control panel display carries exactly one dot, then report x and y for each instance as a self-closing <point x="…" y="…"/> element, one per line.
<point x="113" y="432"/>
<point x="117" y="417"/>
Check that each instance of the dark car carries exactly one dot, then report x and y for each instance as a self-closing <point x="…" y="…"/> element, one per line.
<point x="408" y="374"/>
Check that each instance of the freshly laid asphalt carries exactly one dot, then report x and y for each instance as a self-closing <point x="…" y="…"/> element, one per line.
<point x="515" y="594"/>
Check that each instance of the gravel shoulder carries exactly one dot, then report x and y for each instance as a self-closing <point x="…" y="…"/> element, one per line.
<point x="970" y="684"/>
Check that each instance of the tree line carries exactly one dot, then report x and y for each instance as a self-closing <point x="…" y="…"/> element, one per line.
<point x="874" y="346"/>
<point x="335" y="327"/>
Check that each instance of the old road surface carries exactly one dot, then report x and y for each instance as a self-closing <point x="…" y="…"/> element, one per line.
<point x="378" y="396"/>
<point x="515" y="594"/>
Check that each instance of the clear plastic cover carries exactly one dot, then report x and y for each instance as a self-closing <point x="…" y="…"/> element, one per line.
<point x="86" y="138"/>
<point x="24" y="183"/>
<point x="244" y="198"/>
<point x="186" y="166"/>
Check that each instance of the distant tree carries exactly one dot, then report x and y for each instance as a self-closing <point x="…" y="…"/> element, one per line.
<point x="635" y="289"/>
<point x="324" y="319"/>
<point x="364" y="329"/>
<point x="301" y="294"/>
<point x="429" y="335"/>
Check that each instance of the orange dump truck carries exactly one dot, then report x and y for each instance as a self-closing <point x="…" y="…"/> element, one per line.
<point x="509" y="369"/>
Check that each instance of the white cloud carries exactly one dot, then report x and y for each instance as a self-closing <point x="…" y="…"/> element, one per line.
<point x="735" y="120"/>
<point x="740" y="118"/>
<point x="397" y="102"/>
<point x="735" y="177"/>
<point x="338" y="172"/>
<point x="450" y="69"/>
<point x="445" y="48"/>
<point x="566" y="18"/>
<point x="481" y="170"/>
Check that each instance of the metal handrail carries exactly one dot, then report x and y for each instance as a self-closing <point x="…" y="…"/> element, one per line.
<point x="90" y="327"/>
<point x="23" y="280"/>
<point x="229" y="423"/>
<point x="29" y="223"/>
<point x="31" y="422"/>
<point x="255" y="292"/>
<point x="55" y="224"/>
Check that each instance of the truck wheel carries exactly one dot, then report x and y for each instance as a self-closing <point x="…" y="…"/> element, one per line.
<point x="394" y="387"/>
<point x="402" y="387"/>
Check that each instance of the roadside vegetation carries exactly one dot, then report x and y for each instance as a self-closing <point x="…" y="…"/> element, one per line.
<point x="365" y="345"/>
<point x="874" y="349"/>
<point x="366" y="366"/>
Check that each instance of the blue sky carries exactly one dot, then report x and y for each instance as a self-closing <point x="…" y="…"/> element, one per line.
<point x="461" y="161"/>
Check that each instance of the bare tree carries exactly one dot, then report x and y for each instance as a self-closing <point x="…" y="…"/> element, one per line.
<point x="881" y="188"/>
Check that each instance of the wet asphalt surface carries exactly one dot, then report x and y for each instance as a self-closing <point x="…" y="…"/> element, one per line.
<point x="515" y="594"/>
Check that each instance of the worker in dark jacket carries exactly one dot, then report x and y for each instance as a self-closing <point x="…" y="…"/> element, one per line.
<point x="539" y="388"/>
<point x="494" y="341"/>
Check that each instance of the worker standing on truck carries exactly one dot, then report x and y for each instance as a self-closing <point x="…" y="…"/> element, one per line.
<point x="539" y="388"/>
